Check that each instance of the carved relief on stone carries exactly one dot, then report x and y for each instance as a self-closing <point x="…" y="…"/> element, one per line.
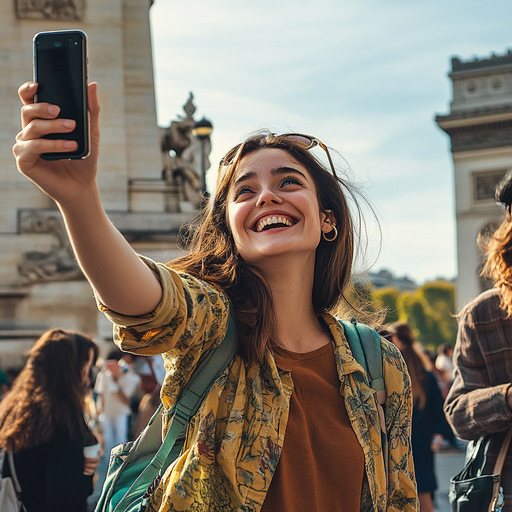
<point x="50" y="9"/>
<point x="56" y="265"/>
<point x="482" y="136"/>
<point x="484" y="184"/>
<point x="181" y="156"/>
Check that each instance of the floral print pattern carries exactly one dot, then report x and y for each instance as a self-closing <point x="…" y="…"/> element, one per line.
<point x="233" y="443"/>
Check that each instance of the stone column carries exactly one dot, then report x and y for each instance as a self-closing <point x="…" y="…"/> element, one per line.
<point x="480" y="129"/>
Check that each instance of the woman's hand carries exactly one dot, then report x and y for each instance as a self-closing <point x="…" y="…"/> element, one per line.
<point x="62" y="180"/>
<point x="90" y="465"/>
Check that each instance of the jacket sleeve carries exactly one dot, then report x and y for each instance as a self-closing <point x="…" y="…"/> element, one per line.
<point x="191" y="317"/>
<point x="473" y="406"/>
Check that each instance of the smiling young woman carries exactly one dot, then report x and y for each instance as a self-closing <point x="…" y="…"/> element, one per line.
<point x="292" y="424"/>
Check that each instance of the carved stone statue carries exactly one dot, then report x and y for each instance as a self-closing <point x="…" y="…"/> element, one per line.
<point x="56" y="265"/>
<point x="50" y="9"/>
<point x="181" y="156"/>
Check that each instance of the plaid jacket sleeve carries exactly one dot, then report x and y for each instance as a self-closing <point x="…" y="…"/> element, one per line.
<point x="477" y="402"/>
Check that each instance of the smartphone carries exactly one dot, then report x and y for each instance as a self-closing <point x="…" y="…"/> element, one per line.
<point x="60" y="70"/>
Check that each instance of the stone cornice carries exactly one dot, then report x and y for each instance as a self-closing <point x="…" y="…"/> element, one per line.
<point x="485" y="71"/>
<point x="483" y="115"/>
<point x="480" y="136"/>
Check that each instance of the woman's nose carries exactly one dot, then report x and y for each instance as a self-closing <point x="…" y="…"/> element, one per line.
<point x="268" y="196"/>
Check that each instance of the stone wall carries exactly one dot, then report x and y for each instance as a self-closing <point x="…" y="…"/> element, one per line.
<point x="40" y="285"/>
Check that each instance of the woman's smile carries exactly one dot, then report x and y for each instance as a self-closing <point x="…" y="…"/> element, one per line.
<point x="272" y="221"/>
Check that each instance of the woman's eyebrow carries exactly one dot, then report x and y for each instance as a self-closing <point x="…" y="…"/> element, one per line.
<point x="286" y="170"/>
<point x="277" y="171"/>
<point x="247" y="176"/>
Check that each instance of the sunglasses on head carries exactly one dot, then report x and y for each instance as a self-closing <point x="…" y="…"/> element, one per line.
<point x="305" y="142"/>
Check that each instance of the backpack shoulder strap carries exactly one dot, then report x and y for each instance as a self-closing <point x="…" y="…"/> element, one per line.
<point x="214" y="362"/>
<point x="206" y="372"/>
<point x="366" y="348"/>
<point x="367" y="351"/>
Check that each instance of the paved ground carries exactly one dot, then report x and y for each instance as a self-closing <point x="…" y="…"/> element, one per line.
<point x="448" y="464"/>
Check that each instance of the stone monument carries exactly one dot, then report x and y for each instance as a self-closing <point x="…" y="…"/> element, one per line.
<point x="40" y="284"/>
<point x="480" y="128"/>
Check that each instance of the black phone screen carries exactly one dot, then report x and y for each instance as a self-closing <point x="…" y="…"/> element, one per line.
<point x="60" y="69"/>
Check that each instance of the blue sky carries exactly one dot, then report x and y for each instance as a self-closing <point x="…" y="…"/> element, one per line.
<point x="365" y="77"/>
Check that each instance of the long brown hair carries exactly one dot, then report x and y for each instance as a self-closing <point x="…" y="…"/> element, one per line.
<point x="497" y="248"/>
<point x="213" y="256"/>
<point x="49" y="392"/>
<point x="414" y="360"/>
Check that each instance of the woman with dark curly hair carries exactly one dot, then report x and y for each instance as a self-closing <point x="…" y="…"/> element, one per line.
<point x="480" y="400"/>
<point x="42" y="424"/>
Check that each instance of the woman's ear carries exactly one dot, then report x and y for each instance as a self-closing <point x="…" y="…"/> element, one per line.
<point x="327" y="220"/>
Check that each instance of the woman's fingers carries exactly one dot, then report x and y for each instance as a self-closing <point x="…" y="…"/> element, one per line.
<point x="26" y="92"/>
<point x="34" y="148"/>
<point x="38" y="128"/>
<point x="27" y="152"/>
<point x="94" y="111"/>
<point x="33" y="111"/>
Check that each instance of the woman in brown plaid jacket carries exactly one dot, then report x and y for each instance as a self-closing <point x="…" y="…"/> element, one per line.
<point x="480" y="400"/>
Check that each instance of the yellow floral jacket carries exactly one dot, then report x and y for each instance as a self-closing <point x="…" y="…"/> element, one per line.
<point x="234" y="441"/>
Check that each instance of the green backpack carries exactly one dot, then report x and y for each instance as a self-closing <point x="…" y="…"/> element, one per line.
<point x="136" y="467"/>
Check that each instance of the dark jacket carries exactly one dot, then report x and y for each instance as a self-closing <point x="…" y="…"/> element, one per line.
<point x="51" y="475"/>
<point x="477" y="402"/>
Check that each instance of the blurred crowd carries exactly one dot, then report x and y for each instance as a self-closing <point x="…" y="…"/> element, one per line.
<point x="122" y="392"/>
<point x="115" y="395"/>
<point x="431" y="377"/>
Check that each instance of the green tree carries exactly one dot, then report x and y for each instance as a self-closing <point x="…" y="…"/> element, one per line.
<point x="387" y="298"/>
<point x="440" y="297"/>
<point x="429" y="310"/>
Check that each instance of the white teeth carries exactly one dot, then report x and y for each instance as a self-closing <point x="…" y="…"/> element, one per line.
<point x="272" y="220"/>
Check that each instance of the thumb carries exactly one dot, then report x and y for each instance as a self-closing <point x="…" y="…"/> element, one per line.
<point x="94" y="112"/>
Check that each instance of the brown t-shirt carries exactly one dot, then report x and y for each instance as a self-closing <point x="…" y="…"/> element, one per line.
<point x="321" y="466"/>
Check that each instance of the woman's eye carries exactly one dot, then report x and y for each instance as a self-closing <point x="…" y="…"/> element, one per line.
<point x="290" y="180"/>
<point x="240" y="191"/>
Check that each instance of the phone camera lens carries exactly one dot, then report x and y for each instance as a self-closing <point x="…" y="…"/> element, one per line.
<point x="57" y="44"/>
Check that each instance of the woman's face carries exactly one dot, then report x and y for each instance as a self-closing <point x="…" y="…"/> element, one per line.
<point x="273" y="207"/>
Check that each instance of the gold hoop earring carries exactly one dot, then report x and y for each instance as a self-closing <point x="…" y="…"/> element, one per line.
<point x="334" y="237"/>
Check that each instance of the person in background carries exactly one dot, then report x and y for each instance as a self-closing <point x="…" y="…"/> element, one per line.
<point x="444" y="364"/>
<point x="42" y="424"/>
<point x="152" y="372"/>
<point x="480" y="400"/>
<point x="115" y="384"/>
<point x="429" y="426"/>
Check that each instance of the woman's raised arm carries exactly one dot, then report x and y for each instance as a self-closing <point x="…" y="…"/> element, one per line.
<point x="123" y="282"/>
